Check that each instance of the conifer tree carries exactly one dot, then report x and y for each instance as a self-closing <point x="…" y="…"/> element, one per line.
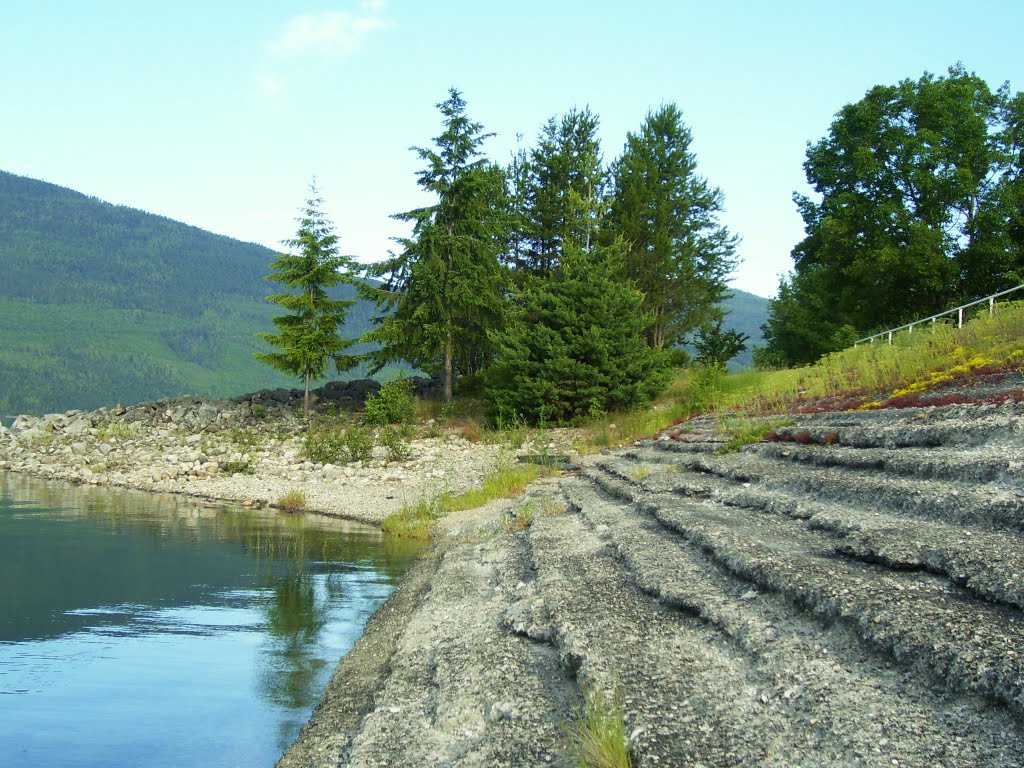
<point x="678" y="254"/>
<point x="563" y="191"/>
<point x="308" y="336"/>
<point x="444" y="289"/>
<point x="574" y="345"/>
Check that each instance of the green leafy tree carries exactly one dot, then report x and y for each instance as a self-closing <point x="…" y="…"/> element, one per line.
<point x="574" y="345"/>
<point x="308" y="337"/>
<point x="917" y="194"/>
<point x="444" y="289"/>
<point x="678" y="254"/>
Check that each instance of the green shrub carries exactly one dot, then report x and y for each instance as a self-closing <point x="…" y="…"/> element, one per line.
<point x="396" y="442"/>
<point x="244" y="439"/>
<point x="242" y="467"/>
<point x="574" y="348"/>
<point x="259" y="411"/>
<point x="358" y="443"/>
<point x="394" y="404"/>
<point x="325" y="443"/>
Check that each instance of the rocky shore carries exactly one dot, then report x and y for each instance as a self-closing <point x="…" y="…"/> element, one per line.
<point x="247" y="450"/>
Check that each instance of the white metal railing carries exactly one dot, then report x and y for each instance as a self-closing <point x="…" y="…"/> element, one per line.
<point x="959" y="311"/>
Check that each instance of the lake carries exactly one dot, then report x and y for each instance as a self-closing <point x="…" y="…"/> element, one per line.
<point x="154" y="630"/>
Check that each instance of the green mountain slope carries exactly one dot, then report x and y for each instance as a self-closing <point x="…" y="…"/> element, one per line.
<point x="102" y="304"/>
<point x="745" y="313"/>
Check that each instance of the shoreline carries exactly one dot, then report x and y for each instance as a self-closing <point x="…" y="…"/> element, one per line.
<point x="848" y="589"/>
<point x="218" y="451"/>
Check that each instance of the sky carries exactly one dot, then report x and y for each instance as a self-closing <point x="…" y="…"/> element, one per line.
<point x="219" y="113"/>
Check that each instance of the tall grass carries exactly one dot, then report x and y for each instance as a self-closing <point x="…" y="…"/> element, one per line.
<point x="598" y="737"/>
<point x="913" y="362"/>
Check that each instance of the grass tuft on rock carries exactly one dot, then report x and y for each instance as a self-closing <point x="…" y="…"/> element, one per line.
<point x="598" y="737"/>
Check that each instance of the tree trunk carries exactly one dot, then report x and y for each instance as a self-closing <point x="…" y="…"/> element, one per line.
<point x="305" y="401"/>
<point x="446" y="370"/>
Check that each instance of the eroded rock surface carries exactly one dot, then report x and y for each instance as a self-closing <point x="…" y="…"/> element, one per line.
<point x="790" y="604"/>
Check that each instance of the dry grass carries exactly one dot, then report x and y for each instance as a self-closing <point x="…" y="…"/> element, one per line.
<point x="293" y="501"/>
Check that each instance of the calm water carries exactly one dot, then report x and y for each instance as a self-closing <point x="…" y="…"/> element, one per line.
<point x="145" y="630"/>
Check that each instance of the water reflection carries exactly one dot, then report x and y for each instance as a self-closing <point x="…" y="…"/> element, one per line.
<point x="225" y="621"/>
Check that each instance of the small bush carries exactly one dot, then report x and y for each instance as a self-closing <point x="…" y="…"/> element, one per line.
<point x="293" y="501"/>
<point x="396" y="442"/>
<point x="259" y="411"/>
<point x="358" y="443"/>
<point x="242" y="467"/>
<point x="244" y="439"/>
<point x="325" y="443"/>
<point x="394" y="404"/>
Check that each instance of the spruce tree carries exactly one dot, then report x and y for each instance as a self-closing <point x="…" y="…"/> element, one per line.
<point x="563" y="193"/>
<point x="444" y="289"/>
<point x="574" y="346"/>
<point x="678" y="253"/>
<point x="308" y="336"/>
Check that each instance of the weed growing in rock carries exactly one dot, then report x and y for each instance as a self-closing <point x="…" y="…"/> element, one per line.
<point x="640" y="473"/>
<point x="746" y="432"/>
<point x="520" y="519"/>
<point x="259" y="411"/>
<point x="293" y="501"/>
<point x="598" y="737"/>
<point x="413" y="521"/>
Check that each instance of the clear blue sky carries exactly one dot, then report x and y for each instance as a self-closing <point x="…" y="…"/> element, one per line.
<point x="218" y="112"/>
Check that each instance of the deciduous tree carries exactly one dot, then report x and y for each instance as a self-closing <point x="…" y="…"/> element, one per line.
<point x="916" y="202"/>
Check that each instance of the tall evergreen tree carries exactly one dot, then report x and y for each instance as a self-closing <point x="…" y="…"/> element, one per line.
<point x="678" y="254"/>
<point x="308" y="335"/>
<point x="563" y="191"/>
<point x="444" y="289"/>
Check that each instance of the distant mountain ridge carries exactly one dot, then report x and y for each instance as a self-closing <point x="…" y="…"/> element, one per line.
<point x="102" y="303"/>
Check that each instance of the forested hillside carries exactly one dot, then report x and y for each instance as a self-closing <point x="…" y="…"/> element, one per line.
<point x="102" y="304"/>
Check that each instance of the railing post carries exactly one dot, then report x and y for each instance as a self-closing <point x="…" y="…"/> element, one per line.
<point x="890" y="338"/>
<point x="960" y="318"/>
<point x="991" y="305"/>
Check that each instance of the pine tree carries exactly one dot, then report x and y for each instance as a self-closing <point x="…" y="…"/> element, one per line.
<point x="308" y="336"/>
<point x="444" y="289"/>
<point x="678" y="254"/>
